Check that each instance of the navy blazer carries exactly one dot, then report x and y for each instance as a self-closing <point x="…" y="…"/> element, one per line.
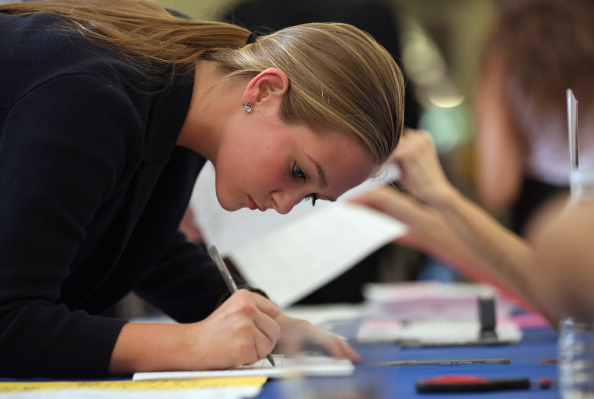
<point x="92" y="190"/>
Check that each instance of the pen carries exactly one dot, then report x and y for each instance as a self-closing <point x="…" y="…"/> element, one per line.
<point x="444" y="362"/>
<point x="470" y="383"/>
<point x="218" y="260"/>
<point x="415" y="344"/>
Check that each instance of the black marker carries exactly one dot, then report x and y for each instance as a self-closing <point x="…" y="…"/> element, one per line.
<point x="470" y="383"/>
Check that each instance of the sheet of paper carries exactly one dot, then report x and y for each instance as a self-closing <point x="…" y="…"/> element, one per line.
<point x="290" y="256"/>
<point x="215" y="388"/>
<point x="300" y="366"/>
<point x="294" y="261"/>
<point x="432" y="331"/>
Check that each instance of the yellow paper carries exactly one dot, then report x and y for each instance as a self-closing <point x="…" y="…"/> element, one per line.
<point x="128" y="385"/>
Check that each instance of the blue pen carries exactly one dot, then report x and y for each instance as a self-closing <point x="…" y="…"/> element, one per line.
<point x="218" y="260"/>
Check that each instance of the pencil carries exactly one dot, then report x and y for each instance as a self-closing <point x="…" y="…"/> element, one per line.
<point x="218" y="260"/>
<point x="443" y="362"/>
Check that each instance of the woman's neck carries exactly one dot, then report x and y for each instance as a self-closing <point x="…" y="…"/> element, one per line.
<point x="211" y="102"/>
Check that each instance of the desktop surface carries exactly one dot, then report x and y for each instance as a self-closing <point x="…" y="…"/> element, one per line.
<point x="530" y="359"/>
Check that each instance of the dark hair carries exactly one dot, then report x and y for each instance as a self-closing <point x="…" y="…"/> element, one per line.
<point x="546" y="47"/>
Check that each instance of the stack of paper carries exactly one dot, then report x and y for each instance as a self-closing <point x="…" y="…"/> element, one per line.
<point x="419" y="300"/>
<point x="432" y="332"/>
<point x="432" y="313"/>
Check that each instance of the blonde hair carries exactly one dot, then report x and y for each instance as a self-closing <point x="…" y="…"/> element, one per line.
<point x="340" y="77"/>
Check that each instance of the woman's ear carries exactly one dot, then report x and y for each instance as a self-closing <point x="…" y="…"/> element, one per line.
<point x="268" y="84"/>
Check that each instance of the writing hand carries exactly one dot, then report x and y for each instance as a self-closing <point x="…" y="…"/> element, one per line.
<point x="241" y="331"/>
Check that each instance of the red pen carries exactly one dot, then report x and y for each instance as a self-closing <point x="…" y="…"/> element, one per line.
<point x="471" y="383"/>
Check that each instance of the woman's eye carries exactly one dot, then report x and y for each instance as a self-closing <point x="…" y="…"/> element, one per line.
<point x="298" y="172"/>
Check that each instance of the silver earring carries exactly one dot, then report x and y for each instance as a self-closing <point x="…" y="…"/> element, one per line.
<point x="247" y="107"/>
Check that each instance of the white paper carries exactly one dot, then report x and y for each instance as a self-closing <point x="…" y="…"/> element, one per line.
<point x="290" y="256"/>
<point x="431" y="313"/>
<point x="435" y="332"/>
<point x="300" y="366"/>
<point x="430" y="300"/>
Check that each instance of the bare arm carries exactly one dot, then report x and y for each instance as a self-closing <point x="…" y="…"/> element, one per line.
<point x="499" y="145"/>
<point x="429" y="232"/>
<point x="507" y="255"/>
<point x="497" y="252"/>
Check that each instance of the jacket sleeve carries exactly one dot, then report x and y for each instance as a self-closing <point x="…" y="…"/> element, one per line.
<point x="63" y="148"/>
<point x="185" y="284"/>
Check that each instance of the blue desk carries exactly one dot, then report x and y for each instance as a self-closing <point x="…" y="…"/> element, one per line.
<point x="399" y="381"/>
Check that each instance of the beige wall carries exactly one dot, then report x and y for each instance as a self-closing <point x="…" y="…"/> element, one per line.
<point x="458" y="27"/>
<point x="199" y="9"/>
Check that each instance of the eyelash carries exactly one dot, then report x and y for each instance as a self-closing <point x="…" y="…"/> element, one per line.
<point x="298" y="173"/>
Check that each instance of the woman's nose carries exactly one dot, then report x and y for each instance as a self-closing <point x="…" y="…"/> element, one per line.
<point x="284" y="201"/>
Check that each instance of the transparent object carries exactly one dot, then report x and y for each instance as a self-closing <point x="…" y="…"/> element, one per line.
<point x="576" y="359"/>
<point x="582" y="185"/>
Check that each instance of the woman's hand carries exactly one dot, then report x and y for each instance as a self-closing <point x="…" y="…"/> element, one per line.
<point x="243" y="330"/>
<point x="422" y="221"/>
<point x="299" y="334"/>
<point x="421" y="171"/>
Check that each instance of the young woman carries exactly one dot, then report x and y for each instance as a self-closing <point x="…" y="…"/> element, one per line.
<point x="537" y="50"/>
<point x="108" y="111"/>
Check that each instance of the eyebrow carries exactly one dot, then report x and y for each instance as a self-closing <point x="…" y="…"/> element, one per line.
<point x="321" y="174"/>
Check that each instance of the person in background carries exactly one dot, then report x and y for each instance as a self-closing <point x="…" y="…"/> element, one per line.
<point x="450" y="227"/>
<point x="110" y="108"/>
<point x="536" y="51"/>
